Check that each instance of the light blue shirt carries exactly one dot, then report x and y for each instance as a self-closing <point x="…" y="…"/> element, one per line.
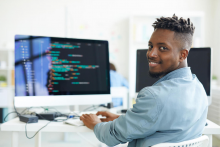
<point x="173" y="110"/>
<point x="117" y="80"/>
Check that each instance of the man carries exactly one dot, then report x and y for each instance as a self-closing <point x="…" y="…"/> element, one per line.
<point x="174" y="109"/>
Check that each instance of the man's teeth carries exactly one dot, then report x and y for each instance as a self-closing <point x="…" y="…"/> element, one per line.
<point x="153" y="63"/>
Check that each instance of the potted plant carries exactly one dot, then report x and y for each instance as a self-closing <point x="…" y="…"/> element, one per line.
<point x="3" y="81"/>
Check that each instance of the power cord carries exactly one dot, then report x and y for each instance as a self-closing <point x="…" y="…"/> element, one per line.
<point x="36" y="132"/>
<point x="15" y="108"/>
<point x="8" y="115"/>
<point x="93" y="107"/>
<point x="19" y="114"/>
<point x="55" y="120"/>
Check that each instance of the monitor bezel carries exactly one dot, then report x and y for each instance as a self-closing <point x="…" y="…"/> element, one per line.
<point x="62" y="100"/>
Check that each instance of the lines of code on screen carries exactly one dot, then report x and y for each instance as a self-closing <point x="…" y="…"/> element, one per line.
<point x="59" y="66"/>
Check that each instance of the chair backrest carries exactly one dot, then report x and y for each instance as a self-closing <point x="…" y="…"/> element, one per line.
<point x="198" y="142"/>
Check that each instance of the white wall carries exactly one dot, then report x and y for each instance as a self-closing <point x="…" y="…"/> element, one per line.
<point x="216" y="38"/>
<point x="97" y="19"/>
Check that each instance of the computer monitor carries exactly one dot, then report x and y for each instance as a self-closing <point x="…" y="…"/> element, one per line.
<point x="199" y="59"/>
<point x="52" y="71"/>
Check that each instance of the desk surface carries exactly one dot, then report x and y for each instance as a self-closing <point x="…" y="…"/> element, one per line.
<point x="211" y="128"/>
<point x="16" y="125"/>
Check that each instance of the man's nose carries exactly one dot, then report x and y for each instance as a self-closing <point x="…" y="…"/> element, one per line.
<point x="152" y="53"/>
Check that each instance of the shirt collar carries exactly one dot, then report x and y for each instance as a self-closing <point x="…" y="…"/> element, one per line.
<point x="178" y="73"/>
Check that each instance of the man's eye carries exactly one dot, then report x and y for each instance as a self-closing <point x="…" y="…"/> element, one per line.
<point x="163" y="48"/>
<point x="150" y="46"/>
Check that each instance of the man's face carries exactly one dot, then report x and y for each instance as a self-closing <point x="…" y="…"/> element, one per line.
<point x="163" y="53"/>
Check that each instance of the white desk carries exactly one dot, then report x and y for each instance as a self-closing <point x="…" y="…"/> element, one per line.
<point x="16" y="126"/>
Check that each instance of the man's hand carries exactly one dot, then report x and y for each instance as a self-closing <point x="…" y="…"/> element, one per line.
<point x="90" y="120"/>
<point x="109" y="116"/>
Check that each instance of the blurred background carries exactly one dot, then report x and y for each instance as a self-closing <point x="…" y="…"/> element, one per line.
<point x="122" y="23"/>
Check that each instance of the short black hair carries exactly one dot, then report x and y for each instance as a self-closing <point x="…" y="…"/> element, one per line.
<point x="183" y="29"/>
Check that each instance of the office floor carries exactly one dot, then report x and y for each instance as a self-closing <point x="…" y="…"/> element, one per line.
<point x="53" y="140"/>
<point x="216" y="141"/>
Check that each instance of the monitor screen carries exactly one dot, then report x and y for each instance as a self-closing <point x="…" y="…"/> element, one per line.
<point x="199" y="59"/>
<point x="46" y="66"/>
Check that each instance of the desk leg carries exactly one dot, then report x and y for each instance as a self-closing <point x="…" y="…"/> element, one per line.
<point x="210" y="140"/>
<point x="38" y="139"/>
<point x="14" y="142"/>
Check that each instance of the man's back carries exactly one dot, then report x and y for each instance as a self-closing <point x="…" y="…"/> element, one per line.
<point x="183" y="103"/>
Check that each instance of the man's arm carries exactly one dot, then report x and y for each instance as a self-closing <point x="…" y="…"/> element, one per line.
<point x="109" y="116"/>
<point x="139" y="122"/>
<point x="90" y="120"/>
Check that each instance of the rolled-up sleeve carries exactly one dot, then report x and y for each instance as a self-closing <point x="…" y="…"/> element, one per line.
<point x="138" y="122"/>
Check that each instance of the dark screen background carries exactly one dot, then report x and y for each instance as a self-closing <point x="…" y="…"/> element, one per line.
<point x="60" y="66"/>
<point x="199" y="59"/>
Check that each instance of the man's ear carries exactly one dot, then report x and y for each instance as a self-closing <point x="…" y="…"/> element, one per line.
<point x="183" y="55"/>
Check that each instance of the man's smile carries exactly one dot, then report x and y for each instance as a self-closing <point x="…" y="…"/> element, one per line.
<point x="153" y="64"/>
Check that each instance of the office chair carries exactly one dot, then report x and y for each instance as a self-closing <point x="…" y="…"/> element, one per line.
<point x="198" y="142"/>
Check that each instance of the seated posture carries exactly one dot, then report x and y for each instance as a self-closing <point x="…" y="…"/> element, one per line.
<point x="174" y="109"/>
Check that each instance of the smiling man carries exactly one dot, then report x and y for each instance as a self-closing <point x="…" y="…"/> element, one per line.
<point x="174" y="109"/>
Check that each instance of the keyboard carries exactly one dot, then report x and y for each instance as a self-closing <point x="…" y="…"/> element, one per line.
<point x="74" y="122"/>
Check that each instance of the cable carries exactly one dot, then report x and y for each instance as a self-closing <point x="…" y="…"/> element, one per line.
<point x="57" y="120"/>
<point x="15" y="108"/>
<point x="25" y="110"/>
<point x="93" y="107"/>
<point x="62" y="114"/>
<point x="76" y="115"/>
<point x="8" y="114"/>
<point x="36" y="132"/>
<point x="86" y="109"/>
<point x="51" y="108"/>
<point x="18" y="114"/>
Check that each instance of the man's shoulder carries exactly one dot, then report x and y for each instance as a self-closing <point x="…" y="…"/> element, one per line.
<point x="167" y="87"/>
<point x="150" y="93"/>
<point x="156" y="90"/>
